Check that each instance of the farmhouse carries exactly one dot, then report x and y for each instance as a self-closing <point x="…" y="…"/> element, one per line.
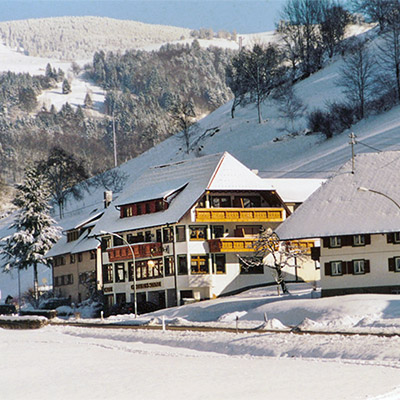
<point x="357" y="216"/>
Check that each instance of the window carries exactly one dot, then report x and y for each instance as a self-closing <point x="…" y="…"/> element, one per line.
<point x="254" y="267"/>
<point x="92" y="254"/>
<point x="221" y="201"/>
<point x="118" y="241"/>
<point x="335" y="241"/>
<point x="59" y="261"/>
<point x="358" y="240"/>
<point x="182" y="264"/>
<point x="64" y="280"/>
<point x="359" y="266"/>
<point x="158" y="236"/>
<point x="248" y="230"/>
<point x="217" y="231"/>
<point x="120" y="272"/>
<point x="396" y="237"/>
<point x="199" y="265"/>
<point x="80" y="257"/>
<point x="72" y="258"/>
<point x="180" y="233"/>
<point x="336" y="268"/>
<point x="139" y="210"/>
<point x="159" y="205"/>
<point x="169" y="265"/>
<point x="168" y="235"/>
<point x="105" y="243"/>
<point x="148" y="208"/>
<point x="107" y="273"/>
<point x="220" y="264"/>
<point x="397" y="264"/>
<point x="198" y="232"/>
<point x="147" y="237"/>
<point x="72" y="235"/>
<point x="146" y="269"/>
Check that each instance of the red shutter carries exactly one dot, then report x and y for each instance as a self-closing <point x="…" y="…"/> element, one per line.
<point x="350" y="267"/>
<point x="328" y="270"/>
<point x="122" y="212"/>
<point x="325" y="241"/>
<point x="390" y="237"/>
<point x="392" y="265"/>
<point x="367" y="268"/>
<point x="367" y="239"/>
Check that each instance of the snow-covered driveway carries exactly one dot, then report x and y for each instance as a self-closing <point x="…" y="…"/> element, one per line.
<point x="78" y="363"/>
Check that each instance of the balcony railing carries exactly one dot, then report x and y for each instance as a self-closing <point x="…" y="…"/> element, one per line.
<point x="227" y="245"/>
<point x="240" y="214"/>
<point x="142" y="250"/>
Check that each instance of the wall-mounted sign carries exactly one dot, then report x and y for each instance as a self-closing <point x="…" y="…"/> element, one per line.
<point x="107" y="289"/>
<point x="148" y="285"/>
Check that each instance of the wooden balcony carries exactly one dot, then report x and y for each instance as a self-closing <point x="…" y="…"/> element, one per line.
<point x="305" y="245"/>
<point x="231" y="245"/>
<point x="240" y="214"/>
<point x="142" y="250"/>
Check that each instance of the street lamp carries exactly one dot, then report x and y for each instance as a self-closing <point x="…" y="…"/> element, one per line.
<point x="133" y="265"/>
<point x="364" y="189"/>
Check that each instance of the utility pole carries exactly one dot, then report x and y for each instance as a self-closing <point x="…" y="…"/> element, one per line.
<point x="352" y="143"/>
<point x="114" y="140"/>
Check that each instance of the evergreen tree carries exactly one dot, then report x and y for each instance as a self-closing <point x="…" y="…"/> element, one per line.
<point x="66" y="87"/>
<point x="88" y="102"/>
<point x="35" y="231"/>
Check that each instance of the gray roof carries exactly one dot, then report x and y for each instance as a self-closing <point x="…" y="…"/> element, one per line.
<point x="339" y="208"/>
<point x="215" y="172"/>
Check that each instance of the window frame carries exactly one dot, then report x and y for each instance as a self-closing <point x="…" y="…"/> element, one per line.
<point x="360" y="271"/>
<point x="197" y="268"/>
<point x="118" y="267"/>
<point x="338" y="270"/>
<point x="358" y="240"/>
<point x="198" y="229"/>
<point x="335" y="242"/>
<point x="396" y="264"/>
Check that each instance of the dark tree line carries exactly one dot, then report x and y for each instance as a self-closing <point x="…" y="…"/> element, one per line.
<point x="143" y="89"/>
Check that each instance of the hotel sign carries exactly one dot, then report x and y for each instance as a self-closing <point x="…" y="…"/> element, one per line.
<point x="148" y="285"/>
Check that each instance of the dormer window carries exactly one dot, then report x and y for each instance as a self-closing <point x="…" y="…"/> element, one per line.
<point x="72" y="235"/>
<point x="146" y="207"/>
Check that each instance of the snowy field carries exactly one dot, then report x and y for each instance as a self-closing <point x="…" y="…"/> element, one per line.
<point x="66" y="363"/>
<point x="97" y="363"/>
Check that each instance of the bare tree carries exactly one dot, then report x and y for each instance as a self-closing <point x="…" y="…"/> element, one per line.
<point x="389" y="51"/>
<point x="301" y="26"/>
<point x="184" y="117"/>
<point x="290" y="106"/>
<point x="375" y="10"/>
<point x="357" y="76"/>
<point x="275" y="255"/>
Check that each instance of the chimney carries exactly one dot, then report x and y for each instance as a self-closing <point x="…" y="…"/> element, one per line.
<point x="108" y="196"/>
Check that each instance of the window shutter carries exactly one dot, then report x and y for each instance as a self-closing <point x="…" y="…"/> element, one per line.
<point x="328" y="270"/>
<point x="347" y="240"/>
<point x="344" y="268"/>
<point x="326" y="242"/>
<point x="367" y="239"/>
<point x="315" y="253"/>
<point x="367" y="268"/>
<point x="391" y="264"/>
<point x="350" y="267"/>
<point x="390" y="237"/>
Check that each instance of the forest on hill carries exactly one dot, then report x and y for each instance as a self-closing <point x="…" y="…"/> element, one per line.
<point x="77" y="38"/>
<point x="144" y="90"/>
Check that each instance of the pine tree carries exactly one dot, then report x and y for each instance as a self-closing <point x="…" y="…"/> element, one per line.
<point x="66" y="87"/>
<point x="35" y="230"/>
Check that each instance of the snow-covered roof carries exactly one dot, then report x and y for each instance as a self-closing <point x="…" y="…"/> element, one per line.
<point x="294" y="190"/>
<point x="158" y="190"/>
<point x="339" y="208"/>
<point x="193" y="177"/>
